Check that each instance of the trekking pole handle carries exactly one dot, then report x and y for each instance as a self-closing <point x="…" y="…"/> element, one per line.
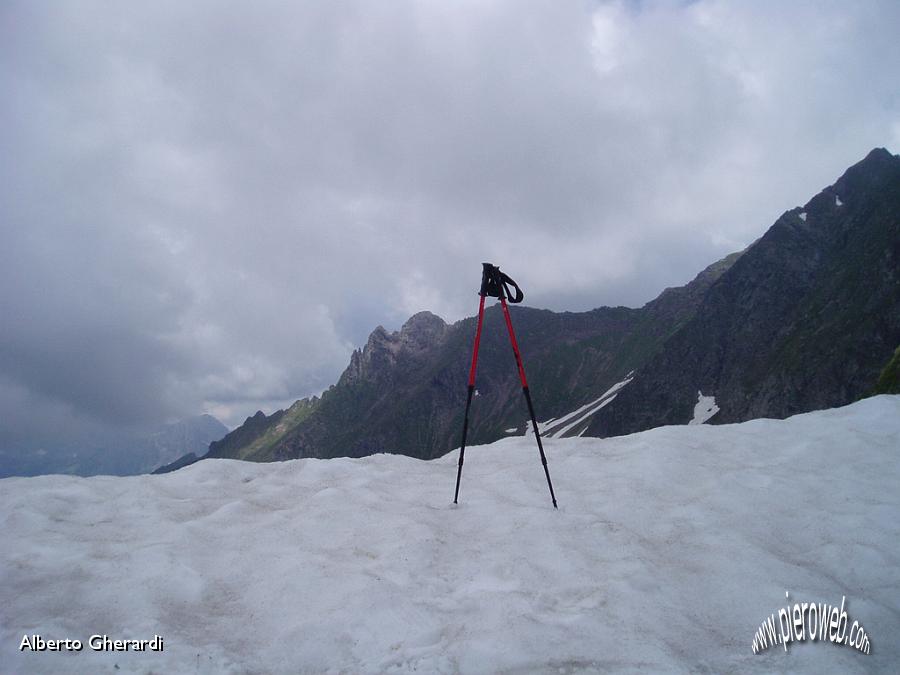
<point x="496" y="284"/>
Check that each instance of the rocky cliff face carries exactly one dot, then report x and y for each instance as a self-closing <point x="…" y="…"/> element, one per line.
<point x="421" y="333"/>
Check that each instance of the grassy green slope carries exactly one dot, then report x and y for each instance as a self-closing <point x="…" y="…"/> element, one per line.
<point x="889" y="381"/>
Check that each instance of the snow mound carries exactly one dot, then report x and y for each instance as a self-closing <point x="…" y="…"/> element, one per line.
<point x="669" y="549"/>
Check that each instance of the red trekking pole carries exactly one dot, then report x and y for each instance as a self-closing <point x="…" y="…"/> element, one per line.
<point x="495" y="284"/>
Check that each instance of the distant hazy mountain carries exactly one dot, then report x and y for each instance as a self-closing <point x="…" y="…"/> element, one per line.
<point x="123" y="455"/>
<point x="806" y="318"/>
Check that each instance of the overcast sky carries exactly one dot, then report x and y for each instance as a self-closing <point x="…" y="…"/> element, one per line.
<point x="205" y="206"/>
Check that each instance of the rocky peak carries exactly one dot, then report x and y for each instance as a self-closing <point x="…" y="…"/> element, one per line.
<point x="877" y="170"/>
<point x="421" y="331"/>
<point x="878" y="156"/>
<point x="378" y="338"/>
<point x="382" y="351"/>
<point x="833" y="208"/>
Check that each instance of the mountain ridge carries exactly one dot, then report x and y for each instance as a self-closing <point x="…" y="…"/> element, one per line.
<point x="580" y="343"/>
<point x="802" y="319"/>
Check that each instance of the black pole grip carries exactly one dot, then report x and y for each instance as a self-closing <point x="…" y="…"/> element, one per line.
<point x="496" y="284"/>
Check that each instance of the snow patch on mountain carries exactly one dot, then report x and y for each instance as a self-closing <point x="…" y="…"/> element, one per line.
<point x="565" y="424"/>
<point x="669" y="549"/>
<point x="704" y="409"/>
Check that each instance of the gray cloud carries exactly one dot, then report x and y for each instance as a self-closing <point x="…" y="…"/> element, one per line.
<point x="204" y="206"/>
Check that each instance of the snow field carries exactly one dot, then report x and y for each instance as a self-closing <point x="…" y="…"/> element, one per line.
<point x="668" y="550"/>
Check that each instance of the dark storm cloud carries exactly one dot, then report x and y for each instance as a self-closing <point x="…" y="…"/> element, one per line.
<point x="206" y="205"/>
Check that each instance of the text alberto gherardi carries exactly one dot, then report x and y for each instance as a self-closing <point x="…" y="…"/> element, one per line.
<point x="99" y="643"/>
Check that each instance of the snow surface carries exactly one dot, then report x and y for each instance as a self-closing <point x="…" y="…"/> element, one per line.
<point x="803" y="216"/>
<point x="706" y="407"/>
<point x="837" y="201"/>
<point x="669" y="549"/>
